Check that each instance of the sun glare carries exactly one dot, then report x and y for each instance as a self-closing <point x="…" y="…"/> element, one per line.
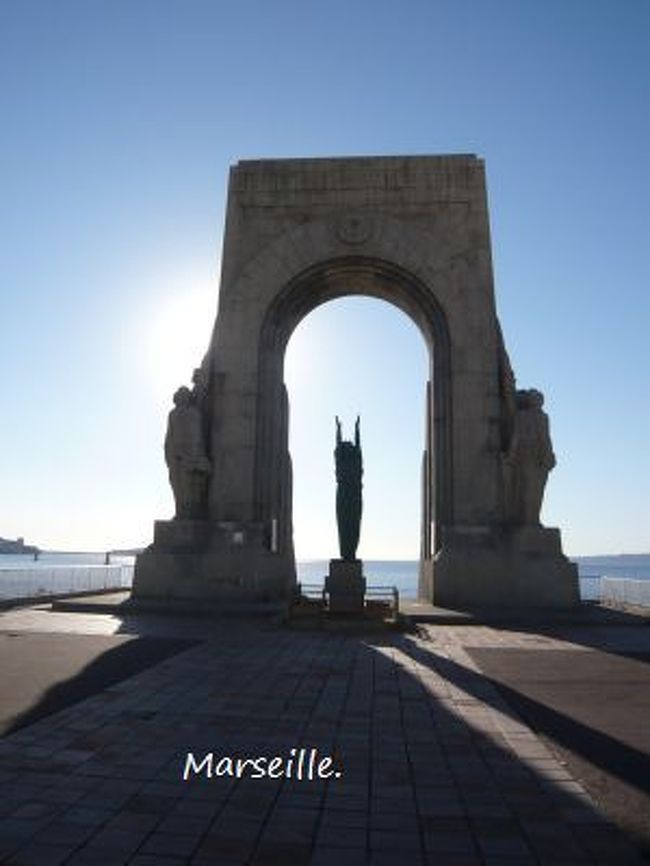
<point x="179" y="336"/>
<point x="303" y="356"/>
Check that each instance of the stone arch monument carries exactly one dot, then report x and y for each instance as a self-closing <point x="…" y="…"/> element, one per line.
<point x="413" y="231"/>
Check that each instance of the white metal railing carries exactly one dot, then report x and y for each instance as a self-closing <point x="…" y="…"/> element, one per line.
<point x="313" y="591"/>
<point x="589" y="587"/>
<point x="376" y="593"/>
<point x="384" y="593"/>
<point x="62" y="580"/>
<point x="624" y="590"/>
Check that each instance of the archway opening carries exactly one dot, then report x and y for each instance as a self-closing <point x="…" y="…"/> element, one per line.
<point x="330" y="280"/>
<point x="359" y="356"/>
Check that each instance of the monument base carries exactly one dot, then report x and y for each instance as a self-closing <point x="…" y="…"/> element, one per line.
<point x="508" y="567"/>
<point x="214" y="563"/>
<point x="346" y="586"/>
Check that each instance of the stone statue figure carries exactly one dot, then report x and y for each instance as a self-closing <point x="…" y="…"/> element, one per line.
<point x="529" y="459"/>
<point x="349" y="469"/>
<point x="185" y="453"/>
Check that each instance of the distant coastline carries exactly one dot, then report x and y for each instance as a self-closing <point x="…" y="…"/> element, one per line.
<point x="16" y="547"/>
<point x="628" y="558"/>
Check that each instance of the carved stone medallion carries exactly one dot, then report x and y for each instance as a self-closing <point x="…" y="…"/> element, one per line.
<point x="354" y="228"/>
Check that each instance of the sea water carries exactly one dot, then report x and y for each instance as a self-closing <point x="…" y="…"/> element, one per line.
<point x="403" y="574"/>
<point x="62" y="572"/>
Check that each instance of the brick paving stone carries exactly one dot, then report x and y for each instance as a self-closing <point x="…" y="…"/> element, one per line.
<point x="386" y="840"/>
<point x="63" y="796"/>
<point x="148" y="804"/>
<point x="14" y="830"/>
<point x="581" y="815"/>
<point x="102" y="798"/>
<point x="437" y="794"/>
<point x="404" y="822"/>
<point x="233" y="813"/>
<point x="344" y="819"/>
<point x="255" y="808"/>
<point x="443" y="809"/>
<point x="341" y="837"/>
<point x="449" y="842"/>
<point x="87" y="815"/>
<point x="225" y="846"/>
<point x="580" y="859"/>
<point x="605" y="844"/>
<point x="126" y="841"/>
<point x="64" y="833"/>
<point x="324" y="856"/>
<point x="197" y="792"/>
<point x="184" y="825"/>
<point x="517" y="861"/>
<point x="503" y="845"/>
<point x="288" y="834"/>
<point x="156" y="860"/>
<point x="434" y="825"/>
<point x="488" y="810"/>
<point x="394" y="858"/>
<point x="35" y="811"/>
<point x="281" y="854"/>
<point x="137" y="822"/>
<point x="393" y="804"/>
<point x="444" y="858"/>
<point x="202" y="861"/>
<point x="346" y="804"/>
<point x="22" y="792"/>
<point x="430" y="752"/>
<point x="93" y="855"/>
<point x="171" y="844"/>
<point x="40" y="854"/>
<point x="9" y="804"/>
<point x="163" y="789"/>
<point x="548" y="840"/>
<point x="294" y="817"/>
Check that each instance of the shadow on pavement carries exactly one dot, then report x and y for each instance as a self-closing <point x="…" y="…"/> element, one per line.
<point x="45" y="673"/>
<point x="424" y="781"/>
<point x="585" y="703"/>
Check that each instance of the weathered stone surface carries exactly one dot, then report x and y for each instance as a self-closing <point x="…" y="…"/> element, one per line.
<point x="181" y="535"/>
<point x="410" y="230"/>
<point x="509" y="567"/>
<point x="212" y="561"/>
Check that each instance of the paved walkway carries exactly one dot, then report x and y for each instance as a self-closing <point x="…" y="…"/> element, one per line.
<point x="436" y="767"/>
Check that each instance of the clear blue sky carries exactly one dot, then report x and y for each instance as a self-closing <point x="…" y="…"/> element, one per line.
<point x="120" y="120"/>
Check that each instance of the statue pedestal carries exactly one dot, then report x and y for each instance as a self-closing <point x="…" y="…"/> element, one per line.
<point x="346" y="586"/>
<point x="210" y="564"/>
<point x="500" y="567"/>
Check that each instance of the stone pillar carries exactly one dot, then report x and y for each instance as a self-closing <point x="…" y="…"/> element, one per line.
<point x="428" y="498"/>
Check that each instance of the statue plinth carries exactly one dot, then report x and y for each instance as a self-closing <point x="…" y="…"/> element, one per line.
<point x="198" y="535"/>
<point x="180" y="535"/>
<point x="216" y="563"/>
<point x="500" y="567"/>
<point x="346" y="586"/>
